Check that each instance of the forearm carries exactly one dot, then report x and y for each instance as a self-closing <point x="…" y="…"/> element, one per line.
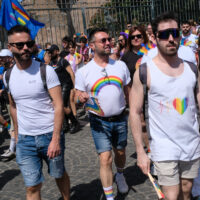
<point x="136" y="127"/>
<point x="13" y="113"/>
<point x="58" y="120"/>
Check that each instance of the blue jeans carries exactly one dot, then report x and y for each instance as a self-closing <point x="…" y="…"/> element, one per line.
<point x="109" y="134"/>
<point x="31" y="151"/>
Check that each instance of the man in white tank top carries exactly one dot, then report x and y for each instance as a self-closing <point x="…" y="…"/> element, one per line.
<point x="173" y="125"/>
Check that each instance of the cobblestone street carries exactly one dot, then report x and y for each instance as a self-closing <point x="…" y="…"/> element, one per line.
<point x="83" y="167"/>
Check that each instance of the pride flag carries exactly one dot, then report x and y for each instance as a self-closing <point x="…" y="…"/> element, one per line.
<point x="12" y="13"/>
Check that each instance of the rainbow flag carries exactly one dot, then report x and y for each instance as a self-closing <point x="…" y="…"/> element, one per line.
<point x="145" y="48"/>
<point x="12" y="14"/>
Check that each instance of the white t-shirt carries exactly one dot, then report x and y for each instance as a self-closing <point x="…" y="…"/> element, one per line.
<point x="104" y="86"/>
<point x="35" y="112"/>
<point x="184" y="52"/>
<point x="190" y="41"/>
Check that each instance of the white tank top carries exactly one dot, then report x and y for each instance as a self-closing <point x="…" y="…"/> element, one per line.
<point x="173" y="124"/>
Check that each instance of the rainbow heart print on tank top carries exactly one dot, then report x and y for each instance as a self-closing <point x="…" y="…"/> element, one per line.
<point x="180" y="105"/>
<point x="93" y="104"/>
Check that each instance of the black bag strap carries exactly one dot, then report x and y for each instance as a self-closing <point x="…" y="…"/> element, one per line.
<point x="143" y="79"/>
<point x="7" y="77"/>
<point x="43" y="75"/>
<point x="194" y="68"/>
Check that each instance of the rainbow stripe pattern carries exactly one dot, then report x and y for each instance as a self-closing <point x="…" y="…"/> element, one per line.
<point x="7" y="125"/>
<point x="94" y="106"/>
<point x="180" y="105"/>
<point x="158" y="189"/>
<point x="104" y="81"/>
<point x="145" y="48"/>
<point x="23" y="14"/>
<point x="109" y="194"/>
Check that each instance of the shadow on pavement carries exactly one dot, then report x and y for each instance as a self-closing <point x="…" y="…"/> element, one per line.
<point x="94" y="191"/>
<point x="89" y="191"/>
<point x="7" y="176"/>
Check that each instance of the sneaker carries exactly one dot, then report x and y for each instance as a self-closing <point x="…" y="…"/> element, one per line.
<point x="8" y="154"/>
<point x="121" y="183"/>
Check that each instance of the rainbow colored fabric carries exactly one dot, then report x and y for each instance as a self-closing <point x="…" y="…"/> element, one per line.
<point x="12" y="13"/>
<point x="145" y="48"/>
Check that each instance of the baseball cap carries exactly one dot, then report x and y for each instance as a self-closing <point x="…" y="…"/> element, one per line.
<point x="53" y="48"/>
<point x="6" y="52"/>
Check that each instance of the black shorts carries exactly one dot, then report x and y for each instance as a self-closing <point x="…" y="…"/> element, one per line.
<point x="66" y="96"/>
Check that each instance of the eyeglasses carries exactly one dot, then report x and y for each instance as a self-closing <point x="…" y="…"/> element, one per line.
<point x="20" y="45"/>
<point x="105" y="74"/>
<point x="139" y="36"/>
<point x="164" y="35"/>
<point x="103" y="40"/>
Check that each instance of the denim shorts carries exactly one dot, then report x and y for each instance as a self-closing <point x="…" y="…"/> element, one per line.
<point x="30" y="153"/>
<point x="109" y="134"/>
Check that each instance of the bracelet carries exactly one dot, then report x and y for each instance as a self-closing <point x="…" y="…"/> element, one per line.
<point x="7" y="125"/>
<point x="78" y="101"/>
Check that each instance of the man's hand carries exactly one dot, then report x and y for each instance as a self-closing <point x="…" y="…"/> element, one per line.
<point x="83" y="97"/>
<point x="54" y="149"/>
<point x="143" y="162"/>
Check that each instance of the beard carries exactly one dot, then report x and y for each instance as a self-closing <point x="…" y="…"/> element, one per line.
<point x="164" y="50"/>
<point x="186" y="32"/>
<point x="26" y="56"/>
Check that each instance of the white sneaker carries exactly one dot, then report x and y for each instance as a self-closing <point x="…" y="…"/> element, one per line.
<point x="121" y="183"/>
<point x="8" y="154"/>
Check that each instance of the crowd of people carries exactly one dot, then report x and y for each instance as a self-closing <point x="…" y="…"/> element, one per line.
<point x="148" y="74"/>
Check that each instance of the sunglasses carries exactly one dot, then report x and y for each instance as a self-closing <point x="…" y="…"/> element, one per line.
<point x="164" y="35"/>
<point x="103" y="40"/>
<point x="120" y="40"/>
<point x="20" y="45"/>
<point x="138" y="36"/>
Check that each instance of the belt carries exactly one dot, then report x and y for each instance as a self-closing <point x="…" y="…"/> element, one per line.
<point x="111" y="118"/>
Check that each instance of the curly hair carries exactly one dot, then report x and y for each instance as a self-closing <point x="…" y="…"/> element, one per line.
<point x="142" y="30"/>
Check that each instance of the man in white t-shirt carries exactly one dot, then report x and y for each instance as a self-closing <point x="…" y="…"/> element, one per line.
<point x="172" y="110"/>
<point x="37" y="117"/>
<point x="187" y="38"/>
<point x="101" y="85"/>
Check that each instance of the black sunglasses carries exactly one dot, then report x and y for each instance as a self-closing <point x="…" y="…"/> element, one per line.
<point x="139" y="36"/>
<point x="164" y="35"/>
<point x="103" y="40"/>
<point x="20" y="45"/>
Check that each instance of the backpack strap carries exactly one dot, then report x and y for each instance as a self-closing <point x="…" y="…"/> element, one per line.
<point x="194" y="68"/>
<point x="143" y="79"/>
<point x="43" y="75"/>
<point x="7" y="77"/>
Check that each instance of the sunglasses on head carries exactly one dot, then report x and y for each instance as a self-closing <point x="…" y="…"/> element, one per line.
<point x="103" y="40"/>
<point x="166" y="33"/>
<point x="138" y="36"/>
<point x="20" y="45"/>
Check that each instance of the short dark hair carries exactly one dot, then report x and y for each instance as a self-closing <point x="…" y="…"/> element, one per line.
<point x="72" y="43"/>
<point x="186" y="22"/>
<point x="83" y="40"/>
<point x="167" y="16"/>
<point x="94" y="31"/>
<point x="18" y="29"/>
<point x="66" y="39"/>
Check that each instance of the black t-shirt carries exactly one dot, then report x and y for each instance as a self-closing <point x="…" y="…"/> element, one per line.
<point x="64" y="53"/>
<point x="131" y="58"/>
<point x="63" y="75"/>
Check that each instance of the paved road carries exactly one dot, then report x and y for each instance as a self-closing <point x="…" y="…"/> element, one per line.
<point x="83" y="167"/>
